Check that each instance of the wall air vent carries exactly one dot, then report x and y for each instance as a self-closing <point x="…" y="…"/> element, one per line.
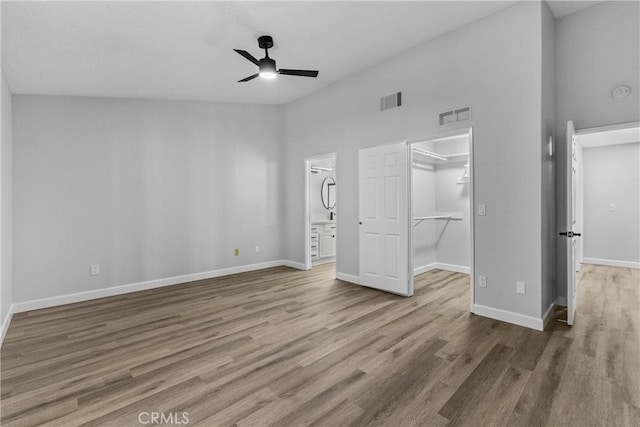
<point x="391" y="101"/>
<point x="454" y="116"/>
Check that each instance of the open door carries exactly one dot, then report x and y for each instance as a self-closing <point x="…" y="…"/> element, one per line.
<point x="570" y="234"/>
<point x="384" y="219"/>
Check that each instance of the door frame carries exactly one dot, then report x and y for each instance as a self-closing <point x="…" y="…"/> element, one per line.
<point x="472" y="217"/>
<point x="307" y="204"/>
<point x="580" y="134"/>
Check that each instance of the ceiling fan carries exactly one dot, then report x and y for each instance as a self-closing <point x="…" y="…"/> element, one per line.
<point x="267" y="66"/>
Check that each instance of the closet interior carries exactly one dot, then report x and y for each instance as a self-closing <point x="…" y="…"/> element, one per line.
<point x="441" y="189"/>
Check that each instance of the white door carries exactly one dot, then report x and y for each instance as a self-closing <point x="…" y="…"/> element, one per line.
<point x="384" y="219"/>
<point x="570" y="233"/>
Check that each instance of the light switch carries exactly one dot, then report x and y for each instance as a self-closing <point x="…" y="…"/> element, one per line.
<point x="482" y="210"/>
<point x="612" y="207"/>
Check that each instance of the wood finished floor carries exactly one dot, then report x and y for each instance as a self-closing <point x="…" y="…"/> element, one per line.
<point x="286" y="347"/>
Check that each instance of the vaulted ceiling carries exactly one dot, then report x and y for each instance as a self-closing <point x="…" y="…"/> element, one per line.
<point x="184" y="50"/>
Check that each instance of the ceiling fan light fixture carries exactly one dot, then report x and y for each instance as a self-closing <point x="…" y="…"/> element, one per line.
<point x="268" y="68"/>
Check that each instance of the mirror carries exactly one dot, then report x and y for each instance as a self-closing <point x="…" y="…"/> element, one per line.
<point x="328" y="193"/>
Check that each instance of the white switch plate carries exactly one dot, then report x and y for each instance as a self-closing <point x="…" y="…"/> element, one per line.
<point x="612" y="207"/>
<point x="482" y="210"/>
<point x="483" y="281"/>
<point x="95" y="269"/>
<point x="257" y="249"/>
<point x="520" y="287"/>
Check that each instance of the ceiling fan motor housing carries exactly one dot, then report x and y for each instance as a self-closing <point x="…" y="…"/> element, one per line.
<point x="265" y="42"/>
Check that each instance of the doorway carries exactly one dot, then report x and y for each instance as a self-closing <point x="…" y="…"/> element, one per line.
<point x="321" y="211"/>
<point x="442" y="204"/>
<point x="603" y="201"/>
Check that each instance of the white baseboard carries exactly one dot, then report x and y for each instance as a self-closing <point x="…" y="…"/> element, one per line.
<point x="611" y="262"/>
<point x="561" y="301"/>
<point x="441" y="266"/>
<point x="19" y="307"/>
<point x="5" y="323"/>
<point x="509" y="317"/>
<point x="293" y="264"/>
<point x="424" y="268"/>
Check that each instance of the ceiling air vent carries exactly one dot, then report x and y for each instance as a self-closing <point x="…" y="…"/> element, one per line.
<point x="391" y="101"/>
<point x="454" y="116"/>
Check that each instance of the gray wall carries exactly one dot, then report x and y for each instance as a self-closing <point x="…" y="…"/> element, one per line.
<point x="612" y="176"/>
<point x="592" y="57"/>
<point x="549" y="232"/>
<point x="492" y="65"/>
<point x="6" y="215"/>
<point x="146" y="189"/>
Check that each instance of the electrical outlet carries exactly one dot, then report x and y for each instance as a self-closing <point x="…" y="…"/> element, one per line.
<point x="520" y="288"/>
<point x="236" y="252"/>
<point x="483" y="281"/>
<point x="95" y="269"/>
<point x="482" y="210"/>
<point x="257" y="249"/>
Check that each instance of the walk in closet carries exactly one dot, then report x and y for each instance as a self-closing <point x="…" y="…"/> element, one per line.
<point x="441" y="190"/>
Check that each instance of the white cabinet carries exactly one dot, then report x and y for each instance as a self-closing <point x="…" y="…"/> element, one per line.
<point x="315" y="241"/>
<point x="326" y="240"/>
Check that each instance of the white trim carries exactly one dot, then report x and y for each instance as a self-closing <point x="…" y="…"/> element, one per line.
<point x="608" y="128"/>
<point x="561" y="301"/>
<point x="293" y="264"/>
<point x="19" y="307"/>
<point x="5" y="323"/>
<point x="441" y="266"/>
<point x="509" y="317"/>
<point x="611" y="262"/>
<point x="424" y="268"/>
<point x="548" y="315"/>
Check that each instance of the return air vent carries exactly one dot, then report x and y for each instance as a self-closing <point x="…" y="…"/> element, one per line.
<point x="391" y="101"/>
<point x="454" y="116"/>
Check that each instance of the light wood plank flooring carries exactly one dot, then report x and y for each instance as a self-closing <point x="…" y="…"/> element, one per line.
<point x="288" y="348"/>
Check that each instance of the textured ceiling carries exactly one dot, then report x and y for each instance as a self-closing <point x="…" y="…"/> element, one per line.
<point x="184" y="50"/>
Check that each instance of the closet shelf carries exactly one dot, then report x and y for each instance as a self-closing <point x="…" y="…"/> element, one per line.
<point x="456" y="216"/>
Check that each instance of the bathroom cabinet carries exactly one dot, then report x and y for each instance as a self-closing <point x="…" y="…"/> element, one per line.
<point x="323" y="240"/>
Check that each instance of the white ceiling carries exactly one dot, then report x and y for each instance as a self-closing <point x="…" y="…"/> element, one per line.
<point x="184" y="50"/>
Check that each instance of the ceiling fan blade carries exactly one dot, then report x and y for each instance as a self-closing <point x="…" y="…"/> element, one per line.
<point x="246" y="79"/>
<point x="302" y="73"/>
<point x="248" y="56"/>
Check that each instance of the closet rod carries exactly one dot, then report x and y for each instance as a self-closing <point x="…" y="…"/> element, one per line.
<point x="430" y="154"/>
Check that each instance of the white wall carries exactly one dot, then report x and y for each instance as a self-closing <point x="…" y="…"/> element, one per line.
<point x="549" y="232"/>
<point x="6" y="199"/>
<point x="612" y="176"/>
<point x="424" y="203"/>
<point x="146" y="189"/>
<point x="597" y="49"/>
<point x="492" y="65"/>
